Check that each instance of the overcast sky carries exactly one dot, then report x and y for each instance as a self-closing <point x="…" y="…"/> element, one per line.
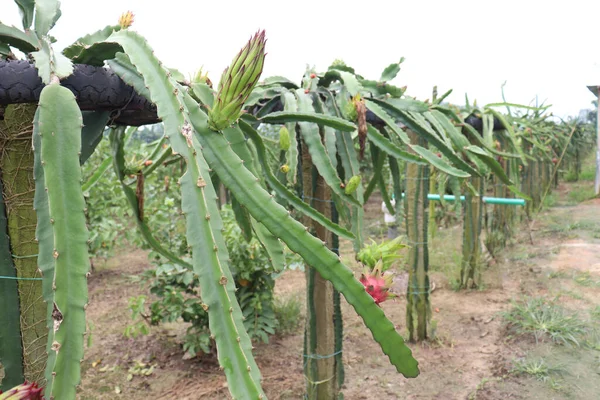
<point x="540" y="48"/>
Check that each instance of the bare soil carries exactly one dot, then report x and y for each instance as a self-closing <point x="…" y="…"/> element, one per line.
<point x="470" y="358"/>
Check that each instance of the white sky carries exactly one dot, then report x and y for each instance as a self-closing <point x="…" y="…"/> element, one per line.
<point x="546" y="48"/>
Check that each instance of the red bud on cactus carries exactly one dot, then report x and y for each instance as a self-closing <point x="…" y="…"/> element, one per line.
<point x="313" y="75"/>
<point x="26" y="391"/>
<point x="306" y="91"/>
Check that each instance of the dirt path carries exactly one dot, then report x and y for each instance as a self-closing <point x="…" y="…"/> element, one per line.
<point x="470" y="358"/>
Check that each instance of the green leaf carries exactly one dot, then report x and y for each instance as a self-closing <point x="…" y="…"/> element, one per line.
<point x="440" y="99"/>
<point x="423" y="131"/>
<point x="511" y="134"/>
<point x="266" y="210"/>
<point x="117" y="141"/>
<point x="26" y="8"/>
<point x="260" y="93"/>
<point x="350" y="81"/>
<point x="381" y="89"/>
<point x="515" y="105"/>
<point x="243" y="218"/>
<point x="272" y="245"/>
<point x="378" y="163"/>
<point x="351" y="167"/>
<point x="279" y="81"/>
<point x="491" y="162"/>
<point x="390" y="148"/>
<point x="81" y="53"/>
<point x="283" y="117"/>
<point x="94" y="123"/>
<point x="408" y="104"/>
<point x="47" y="12"/>
<point x="290" y="104"/>
<point x="268" y="107"/>
<point x="284" y="192"/>
<point x="11" y="349"/>
<point x="49" y="63"/>
<point x="121" y="65"/>
<point x="60" y="123"/>
<point x="204" y="93"/>
<point x="98" y="172"/>
<point x="383" y="115"/>
<point x="97" y="54"/>
<point x="312" y="138"/>
<point x="391" y="71"/>
<point x="26" y="42"/>
<point x="439" y="163"/>
<point x="4" y="50"/>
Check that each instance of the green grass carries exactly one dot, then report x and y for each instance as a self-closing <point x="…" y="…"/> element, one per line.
<point x="550" y="200"/>
<point x="585" y="279"/>
<point x="558" y="275"/>
<point x="539" y="369"/>
<point x="562" y="225"/>
<point x="588" y="171"/>
<point x="545" y="319"/>
<point x="580" y="194"/>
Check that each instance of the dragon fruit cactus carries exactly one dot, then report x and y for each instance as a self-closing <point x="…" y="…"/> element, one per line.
<point x="25" y="391"/>
<point x="377" y="283"/>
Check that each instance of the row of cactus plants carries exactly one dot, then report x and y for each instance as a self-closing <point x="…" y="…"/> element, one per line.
<point x="205" y="130"/>
<point x="186" y="126"/>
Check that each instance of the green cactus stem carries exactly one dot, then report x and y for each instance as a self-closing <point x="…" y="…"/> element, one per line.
<point x="59" y="126"/>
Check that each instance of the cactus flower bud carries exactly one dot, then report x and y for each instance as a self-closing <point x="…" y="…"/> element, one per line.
<point x="237" y="82"/>
<point x="284" y="139"/>
<point x="25" y="391"/>
<point x="353" y="184"/>
<point x="126" y="20"/>
<point x="202" y="77"/>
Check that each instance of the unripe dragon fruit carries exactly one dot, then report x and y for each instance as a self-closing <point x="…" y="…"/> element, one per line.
<point x="25" y="391"/>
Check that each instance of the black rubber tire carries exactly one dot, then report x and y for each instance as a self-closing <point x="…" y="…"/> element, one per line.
<point x="95" y="88"/>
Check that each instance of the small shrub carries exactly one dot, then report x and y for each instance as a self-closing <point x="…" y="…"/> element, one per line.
<point x="287" y="314"/>
<point x="178" y="291"/>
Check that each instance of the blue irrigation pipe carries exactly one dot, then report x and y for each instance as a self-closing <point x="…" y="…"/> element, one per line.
<point x="488" y="200"/>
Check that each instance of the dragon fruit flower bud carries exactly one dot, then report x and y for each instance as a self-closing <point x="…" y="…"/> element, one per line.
<point x="237" y="82"/>
<point x="25" y="391"/>
<point x="126" y="20"/>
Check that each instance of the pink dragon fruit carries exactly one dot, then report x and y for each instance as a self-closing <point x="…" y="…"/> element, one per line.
<point x="377" y="284"/>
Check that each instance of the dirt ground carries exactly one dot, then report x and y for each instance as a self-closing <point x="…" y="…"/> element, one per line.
<point x="471" y="358"/>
